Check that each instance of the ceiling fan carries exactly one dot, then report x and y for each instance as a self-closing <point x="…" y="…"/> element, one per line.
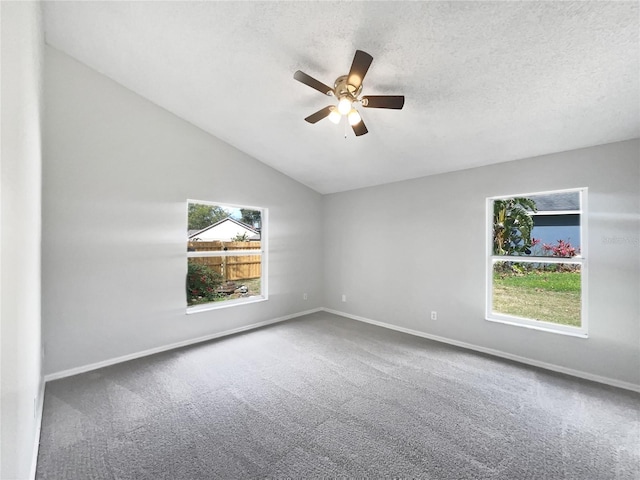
<point x="347" y="89"/>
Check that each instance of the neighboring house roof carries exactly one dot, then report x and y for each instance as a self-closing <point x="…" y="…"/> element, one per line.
<point x="563" y="201"/>
<point x="225" y="230"/>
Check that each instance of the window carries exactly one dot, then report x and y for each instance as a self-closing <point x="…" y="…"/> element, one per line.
<point x="226" y="255"/>
<point x="536" y="267"/>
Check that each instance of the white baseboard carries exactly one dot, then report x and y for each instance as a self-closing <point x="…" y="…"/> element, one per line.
<point x="105" y="363"/>
<point x="490" y="351"/>
<point x="528" y="361"/>
<point x="36" y="443"/>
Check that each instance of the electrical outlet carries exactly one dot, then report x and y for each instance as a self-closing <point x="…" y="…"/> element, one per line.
<point x="305" y="296"/>
<point x="344" y="297"/>
<point x="434" y="315"/>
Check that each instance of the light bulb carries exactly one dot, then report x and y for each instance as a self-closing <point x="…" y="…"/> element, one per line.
<point x="344" y="105"/>
<point x="335" y="116"/>
<point x="354" y="117"/>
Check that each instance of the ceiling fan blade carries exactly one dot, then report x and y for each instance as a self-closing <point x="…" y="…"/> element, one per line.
<point x="319" y="115"/>
<point x="361" y="63"/>
<point x="359" y="128"/>
<point x="312" y="82"/>
<point x="384" y="101"/>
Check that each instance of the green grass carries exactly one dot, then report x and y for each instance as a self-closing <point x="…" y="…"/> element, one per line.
<point x="554" y="281"/>
<point x="547" y="296"/>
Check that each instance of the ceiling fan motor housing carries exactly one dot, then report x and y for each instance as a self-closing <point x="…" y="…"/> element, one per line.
<point x="342" y="88"/>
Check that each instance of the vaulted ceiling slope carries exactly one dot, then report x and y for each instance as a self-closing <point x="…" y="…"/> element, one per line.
<point x="485" y="82"/>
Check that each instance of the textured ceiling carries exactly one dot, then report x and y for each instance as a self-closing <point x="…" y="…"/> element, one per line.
<point x="484" y="82"/>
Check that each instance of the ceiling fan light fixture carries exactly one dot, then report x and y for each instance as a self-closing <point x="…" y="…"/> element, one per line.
<point x="354" y="117"/>
<point x="344" y="105"/>
<point x="335" y="116"/>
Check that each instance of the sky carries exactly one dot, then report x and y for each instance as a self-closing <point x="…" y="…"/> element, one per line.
<point x="233" y="212"/>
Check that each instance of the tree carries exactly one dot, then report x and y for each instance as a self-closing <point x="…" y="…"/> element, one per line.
<point x="512" y="225"/>
<point x="250" y="217"/>
<point x="241" y="237"/>
<point x="201" y="216"/>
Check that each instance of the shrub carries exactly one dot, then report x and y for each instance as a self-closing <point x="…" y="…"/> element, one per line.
<point x="202" y="282"/>
<point x="561" y="249"/>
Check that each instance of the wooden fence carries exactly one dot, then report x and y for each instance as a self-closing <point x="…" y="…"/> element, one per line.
<point x="237" y="267"/>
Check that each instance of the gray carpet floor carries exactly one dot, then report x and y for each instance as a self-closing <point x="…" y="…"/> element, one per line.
<point x="327" y="397"/>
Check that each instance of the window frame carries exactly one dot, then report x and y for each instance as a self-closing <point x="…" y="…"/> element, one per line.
<point x="262" y="251"/>
<point x="490" y="315"/>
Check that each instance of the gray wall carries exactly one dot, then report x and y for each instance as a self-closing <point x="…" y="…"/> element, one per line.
<point x="400" y="250"/>
<point x="20" y="175"/>
<point x="117" y="171"/>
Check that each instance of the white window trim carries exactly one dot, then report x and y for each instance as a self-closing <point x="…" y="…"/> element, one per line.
<point x="226" y="253"/>
<point x="490" y="315"/>
<point x="263" y="252"/>
<point x="552" y="212"/>
<point x="205" y="307"/>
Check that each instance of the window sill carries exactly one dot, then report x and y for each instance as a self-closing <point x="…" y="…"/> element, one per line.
<point x="226" y="304"/>
<point x="540" y="325"/>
